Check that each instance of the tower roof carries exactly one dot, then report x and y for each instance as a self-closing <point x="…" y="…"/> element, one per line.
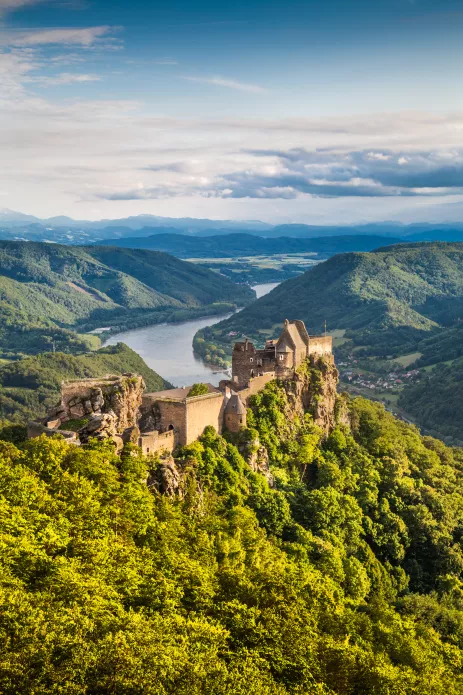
<point x="235" y="405"/>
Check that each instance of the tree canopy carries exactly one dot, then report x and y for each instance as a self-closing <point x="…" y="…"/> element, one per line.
<point x="342" y="578"/>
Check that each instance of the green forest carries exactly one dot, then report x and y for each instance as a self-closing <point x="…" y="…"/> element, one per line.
<point x="437" y="400"/>
<point x="30" y="387"/>
<point x="342" y="578"/>
<point x="52" y="295"/>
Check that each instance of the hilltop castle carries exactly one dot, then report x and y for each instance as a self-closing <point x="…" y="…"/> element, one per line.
<point x="117" y="407"/>
<point x="279" y="357"/>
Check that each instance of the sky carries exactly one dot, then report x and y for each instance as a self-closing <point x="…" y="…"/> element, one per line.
<point x="328" y="112"/>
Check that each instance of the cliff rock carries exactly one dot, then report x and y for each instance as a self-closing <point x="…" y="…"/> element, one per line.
<point x="108" y="407"/>
<point x="313" y="389"/>
<point x="167" y="477"/>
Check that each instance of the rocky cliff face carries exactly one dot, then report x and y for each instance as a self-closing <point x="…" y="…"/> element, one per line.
<point x="313" y="389"/>
<point x="101" y="408"/>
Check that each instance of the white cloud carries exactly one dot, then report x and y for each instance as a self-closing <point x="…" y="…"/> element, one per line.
<point x="15" y="66"/>
<point x="65" y="78"/>
<point x="12" y="5"/>
<point x="85" y="37"/>
<point x="102" y="158"/>
<point x="230" y="84"/>
<point x="380" y="156"/>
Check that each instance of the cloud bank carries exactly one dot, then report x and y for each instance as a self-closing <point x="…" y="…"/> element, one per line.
<point x="114" y="156"/>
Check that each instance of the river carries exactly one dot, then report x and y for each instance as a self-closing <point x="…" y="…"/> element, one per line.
<point x="167" y="347"/>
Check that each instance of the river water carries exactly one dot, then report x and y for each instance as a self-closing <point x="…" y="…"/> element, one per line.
<point x="167" y="347"/>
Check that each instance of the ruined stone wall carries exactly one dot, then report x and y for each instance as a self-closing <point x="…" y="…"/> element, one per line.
<point x="121" y="395"/>
<point x="255" y="385"/>
<point x="172" y="414"/>
<point x="157" y="442"/>
<point x="202" y="411"/>
<point x="321" y="345"/>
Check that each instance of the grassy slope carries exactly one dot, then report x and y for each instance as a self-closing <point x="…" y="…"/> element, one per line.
<point x="47" y="290"/>
<point x="30" y="386"/>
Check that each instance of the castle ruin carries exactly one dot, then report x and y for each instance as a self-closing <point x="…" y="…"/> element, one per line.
<point x="117" y="407"/>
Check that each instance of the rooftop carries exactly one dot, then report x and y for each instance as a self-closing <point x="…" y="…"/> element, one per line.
<point x="235" y="405"/>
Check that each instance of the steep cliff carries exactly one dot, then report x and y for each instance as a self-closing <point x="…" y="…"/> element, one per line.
<point x="313" y="390"/>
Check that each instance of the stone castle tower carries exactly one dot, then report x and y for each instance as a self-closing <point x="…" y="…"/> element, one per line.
<point x="234" y="414"/>
<point x="279" y="357"/>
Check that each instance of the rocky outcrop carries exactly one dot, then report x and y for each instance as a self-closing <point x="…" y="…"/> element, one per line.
<point x="101" y="408"/>
<point x="313" y="389"/>
<point x="256" y="455"/>
<point x="167" y="478"/>
<point x="120" y="395"/>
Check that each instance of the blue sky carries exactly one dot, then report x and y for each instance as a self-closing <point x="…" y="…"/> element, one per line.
<point x="299" y="111"/>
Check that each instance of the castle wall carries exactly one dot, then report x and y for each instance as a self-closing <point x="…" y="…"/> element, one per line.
<point x="157" y="442"/>
<point x="172" y="414"/>
<point x="255" y="385"/>
<point x="243" y="362"/>
<point x="187" y="416"/>
<point x="321" y="345"/>
<point x="202" y="411"/>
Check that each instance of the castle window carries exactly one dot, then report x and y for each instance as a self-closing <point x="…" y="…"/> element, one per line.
<point x="281" y="357"/>
<point x="171" y="427"/>
<point x="251" y="359"/>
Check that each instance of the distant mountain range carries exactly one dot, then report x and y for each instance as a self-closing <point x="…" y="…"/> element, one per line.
<point x="61" y="229"/>
<point x="238" y="244"/>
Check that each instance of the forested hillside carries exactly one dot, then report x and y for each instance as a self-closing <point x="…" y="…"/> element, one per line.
<point x="344" y="578"/>
<point x="29" y="387"/>
<point x="384" y="299"/>
<point x="437" y="400"/>
<point x="386" y="302"/>
<point x="51" y="294"/>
